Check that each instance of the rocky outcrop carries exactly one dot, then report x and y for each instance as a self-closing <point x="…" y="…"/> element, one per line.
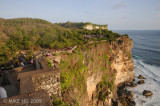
<point x="92" y="82"/>
<point x="123" y="63"/>
<point x="92" y="26"/>
<point x="49" y="81"/>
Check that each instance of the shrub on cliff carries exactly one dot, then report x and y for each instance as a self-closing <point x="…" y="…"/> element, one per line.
<point x="49" y="63"/>
<point x="105" y="86"/>
<point x="58" y="102"/>
<point x="126" y="35"/>
<point x="29" y="55"/>
<point x="72" y="75"/>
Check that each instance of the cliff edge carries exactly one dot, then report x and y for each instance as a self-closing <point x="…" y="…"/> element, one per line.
<point x="93" y="72"/>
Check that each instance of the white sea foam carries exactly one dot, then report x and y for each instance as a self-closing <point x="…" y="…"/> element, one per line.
<point x="152" y="83"/>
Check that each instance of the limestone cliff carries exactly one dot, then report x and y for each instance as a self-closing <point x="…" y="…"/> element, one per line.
<point x="86" y="75"/>
<point x="93" y="26"/>
<point x="91" y="74"/>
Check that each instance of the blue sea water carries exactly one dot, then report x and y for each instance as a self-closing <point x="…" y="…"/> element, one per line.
<point x="146" y="57"/>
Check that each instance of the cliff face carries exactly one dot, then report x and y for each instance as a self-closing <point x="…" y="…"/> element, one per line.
<point x="91" y="27"/>
<point x="93" y="72"/>
<point x="89" y="74"/>
<point x="123" y="63"/>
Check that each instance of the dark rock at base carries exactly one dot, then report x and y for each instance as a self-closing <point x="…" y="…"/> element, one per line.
<point x="130" y="95"/>
<point x="133" y="85"/>
<point x="127" y="84"/>
<point x="147" y="93"/>
<point x="134" y="79"/>
<point x="132" y="103"/>
<point x="141" y="82"/>
<point x="140" y="77"/>
<point x="125" y="97"/>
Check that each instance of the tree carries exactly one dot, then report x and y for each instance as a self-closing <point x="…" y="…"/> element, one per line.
<point x="27" y="45"/>
<point x="30" y="55"/>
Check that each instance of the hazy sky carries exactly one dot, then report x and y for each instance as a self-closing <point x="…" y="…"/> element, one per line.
<point x="118" y="14"/>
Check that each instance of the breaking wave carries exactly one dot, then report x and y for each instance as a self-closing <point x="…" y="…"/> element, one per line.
<point x="152" y="83"/>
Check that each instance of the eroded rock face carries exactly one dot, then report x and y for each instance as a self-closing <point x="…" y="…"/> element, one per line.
<point x="120" y="67"/>
<point x="123" y="67"/>
<point x="123" y="63"/>
<point x="91" y="27"/>
<point x="92" y="83"/>
<point x="48" y="81"/>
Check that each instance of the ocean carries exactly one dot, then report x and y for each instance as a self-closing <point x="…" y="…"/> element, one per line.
<point x="146" y="57"/>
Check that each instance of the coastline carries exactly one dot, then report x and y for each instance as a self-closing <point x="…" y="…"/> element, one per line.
<point x="151" y="83"/>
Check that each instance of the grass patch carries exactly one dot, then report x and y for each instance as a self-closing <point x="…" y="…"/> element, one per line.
<point x="102" y="87"/>
<point x="110" y="50"/>
<point x="106" y="61"/>
<point x="73" y="74"/>
<point x="129" y="56"/>
<point x="64" y="53"/>
<point x="49" y="63"/>
<point x="58" y="102"/>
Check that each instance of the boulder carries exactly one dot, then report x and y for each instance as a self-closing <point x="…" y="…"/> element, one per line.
<point x="140" y="77"/>
<point x="141" y="82"/>
<point x="147" y="93"/>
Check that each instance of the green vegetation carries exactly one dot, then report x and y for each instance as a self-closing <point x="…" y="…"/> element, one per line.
<point x="110" y="50"/>
<point x="73" y="75"/>
<point x="103" y="86"/>
<point x="49" y="63"/>
<point x="126" y="35"/>
<point x="106" y="62"/>
<point x="72" y="25"/>
<point x="66" y="76"/>
<point x="106" y="85"/>
<point x="129" y="56"/>
<point x="58" y="102"/>
<point x="30" y="34"/>
<point x="29" y="55"/>
<point x="75" y="25"/>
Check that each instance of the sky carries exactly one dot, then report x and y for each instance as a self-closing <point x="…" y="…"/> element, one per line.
<point x="118" y="14"/>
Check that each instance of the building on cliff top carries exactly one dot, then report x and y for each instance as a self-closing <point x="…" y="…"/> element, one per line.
<point x="37" y="80"/>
